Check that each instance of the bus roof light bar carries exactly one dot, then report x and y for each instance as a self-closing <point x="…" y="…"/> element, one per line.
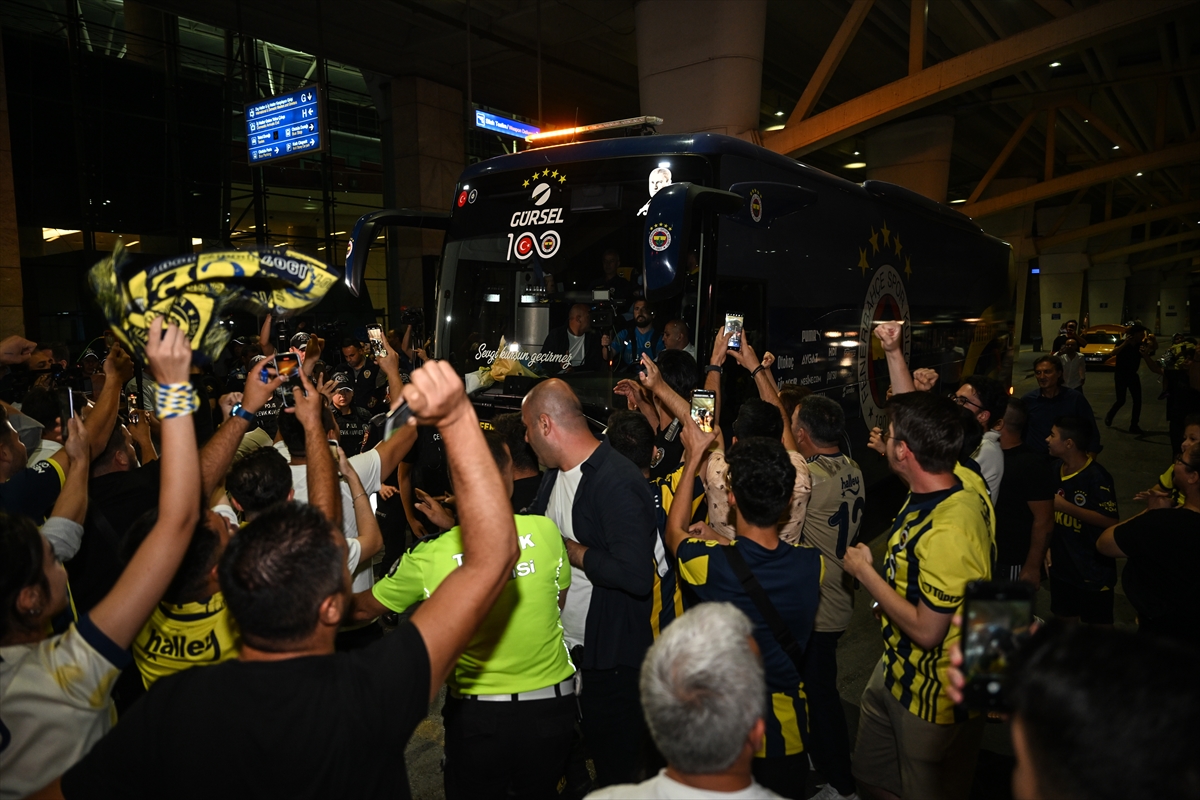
<point x="632" y="122"/>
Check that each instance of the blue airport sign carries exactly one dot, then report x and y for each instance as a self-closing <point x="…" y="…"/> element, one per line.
<point x="504" y="125"/>
<point x="284" y="126"/>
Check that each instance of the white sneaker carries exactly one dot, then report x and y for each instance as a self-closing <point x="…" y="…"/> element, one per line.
<point x="829" y="793"/>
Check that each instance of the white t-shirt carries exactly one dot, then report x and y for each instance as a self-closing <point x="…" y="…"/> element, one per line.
<point x="1074" y="370"/>
<point x="660" y="787"/>
<point x="579" y="599"/>
<point x="45" y="449"/>
<point x="990" y="458"/>
<point x="57" y="705"/>
<point x="576" y="349"/>
<point x="368" y="467"/>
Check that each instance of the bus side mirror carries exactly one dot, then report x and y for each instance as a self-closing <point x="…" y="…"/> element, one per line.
<point x="369" y="226"/>
<point x="767" y="202"/>
<point x="668" y="233"/>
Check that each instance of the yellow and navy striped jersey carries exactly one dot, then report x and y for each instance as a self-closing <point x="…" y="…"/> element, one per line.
<point x="177" y="637"/>
<point x="1075" y="559"/>
<point x="939" y="542"/>
<point x="1166" y="482"/>
<point x="667" y="605"/>
<point x="791" y="574"/>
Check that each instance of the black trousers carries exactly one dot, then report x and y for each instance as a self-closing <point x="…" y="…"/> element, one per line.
<point x="828" y="741"/>
<point x="787" y="776"/>
<point x="614" y="730"/>
<point x="498" y="750"/>
<point x="1123" y="381"/>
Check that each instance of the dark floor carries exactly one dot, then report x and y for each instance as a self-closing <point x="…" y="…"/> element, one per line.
<point x="1135" y="463"/>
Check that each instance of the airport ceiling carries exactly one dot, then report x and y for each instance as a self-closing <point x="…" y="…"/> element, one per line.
<point x="1129" y="94"/>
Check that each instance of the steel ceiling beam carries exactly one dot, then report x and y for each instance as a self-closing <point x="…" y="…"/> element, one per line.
<point x="1111" y="170"/>
<point x="1041" y="244"/>
<point x="972" y="69"/>
<point x="1151" y="244"/>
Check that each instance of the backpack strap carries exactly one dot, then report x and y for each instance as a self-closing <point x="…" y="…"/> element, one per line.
<point x="779" y="629"/>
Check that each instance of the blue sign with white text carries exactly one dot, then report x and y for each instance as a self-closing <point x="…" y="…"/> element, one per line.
<point x="284" y="126"/>
<point x="509" y="127"/>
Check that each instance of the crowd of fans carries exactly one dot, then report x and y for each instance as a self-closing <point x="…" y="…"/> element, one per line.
<point x="229" y="582"/>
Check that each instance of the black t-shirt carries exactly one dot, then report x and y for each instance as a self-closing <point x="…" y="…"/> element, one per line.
<point x="267" y="417"/>
<point x="1028" y="477"/>
<point x="428" y="459"/>
<point x="311" y="727"/>
<point x="115" y="500"/>
<point x="1129" y="358"/>
<point x="525" y="491"/>
<point x="1159" y="579"/>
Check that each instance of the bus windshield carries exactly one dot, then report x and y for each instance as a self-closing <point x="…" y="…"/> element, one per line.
<point x="540" y="264"/>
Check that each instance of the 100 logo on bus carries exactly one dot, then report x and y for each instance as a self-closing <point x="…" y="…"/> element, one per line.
<point x="525" y="244"/>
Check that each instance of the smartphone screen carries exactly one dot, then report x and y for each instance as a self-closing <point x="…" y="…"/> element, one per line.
<point x="287" y="365"/>
<point x="704" y="406"/>
<point x="733" y="324"/>
<point x="132" y="399"/>
<point x="996" y="620"/>
<point x="378" y="343"/>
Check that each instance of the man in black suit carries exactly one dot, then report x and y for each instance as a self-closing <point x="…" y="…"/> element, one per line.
<point x="577" y="342"/>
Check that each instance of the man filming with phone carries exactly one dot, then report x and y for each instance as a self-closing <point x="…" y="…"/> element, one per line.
<point x="912" y="739"/>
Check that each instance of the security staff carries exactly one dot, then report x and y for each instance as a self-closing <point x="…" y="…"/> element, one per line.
<point x="510" y="710"/>
<point x="364" y="374"/>
<point x="352" y="420"/>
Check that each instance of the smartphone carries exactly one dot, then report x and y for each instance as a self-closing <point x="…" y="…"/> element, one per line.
<point x="396" y="420"/>
<point x="288" y="366"/>
<point x="733" y="324"/>
<point x="704" y="406"/>
<point x="377" y="341"/>
<point x="333" y="448"/>
<point x="132" y="399"/>
<point x="997" y="616"/>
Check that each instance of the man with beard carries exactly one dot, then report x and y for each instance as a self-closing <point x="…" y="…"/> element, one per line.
<point x="638" y="338"/>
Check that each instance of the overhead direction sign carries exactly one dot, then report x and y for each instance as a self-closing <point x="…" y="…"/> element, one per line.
<point x="504" y="125"/>
<point x="285" y="126"/>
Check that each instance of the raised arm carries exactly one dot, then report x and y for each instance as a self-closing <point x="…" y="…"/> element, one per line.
<point x="123" y="610"/>
<point x="72" y="500"/>
<point x="889" y="336"/>
<point x="695" y="447"/>
<point x="680" y="408"/>
<point x="324" y="492"/>
<point x="370" y="538"/>
<point x="390" y="364"/>
<point x="450" y="617"/>
<point x="264" y="338"/>
<point x="218" y="452"/>
<point x="712" y="378"/>
<point x="393" y="451"/>
<point x="767" y="391"/>
<point x="117" y="370"/>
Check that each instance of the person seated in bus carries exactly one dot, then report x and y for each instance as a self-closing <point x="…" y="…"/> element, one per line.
<point x="638" y="337"/>
<point x="611" y="279"/>
<point x="579" y="346"/>
<point x="676" y="337"/>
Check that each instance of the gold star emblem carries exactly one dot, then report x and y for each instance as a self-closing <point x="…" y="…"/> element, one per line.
<point x="874" y="240"/>
<point x="886" y="233"/>
<point x="554" y="174"/>
<point x="534" y="178"/>
<point x="899" y="246"/>
<point x="545" y="172"/>
<point x="562" y="178"/>
<point x="525" y="184"/>
<point x="908" y="266"/>
<point x="862" y="261"/>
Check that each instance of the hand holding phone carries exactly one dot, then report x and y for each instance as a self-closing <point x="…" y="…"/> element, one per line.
<point x="997" y="619"/>
<point x="704" y="405"/>
<point x="733" y="325"/>
<point x="377" y="342"/>
<point x="287" y="366"/>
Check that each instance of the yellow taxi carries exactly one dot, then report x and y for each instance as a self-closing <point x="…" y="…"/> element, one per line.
<point x="1101" y="341"/>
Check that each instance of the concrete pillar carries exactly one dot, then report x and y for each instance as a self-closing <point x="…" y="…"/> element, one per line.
<point x="1143" y="292"/>
<point x="1064" y="269"/>
<point x="1106" y="293"/>
<point x="700" y="64"/>
<point x="12" y="310"/>
<point x="1014" y="226"/>
<point x="913" y="154"/>
<point x="1173" y="316"/>
<point x="428" y="155"/>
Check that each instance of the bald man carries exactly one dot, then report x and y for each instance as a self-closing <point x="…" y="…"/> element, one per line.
<point x="576" y="342"/>
<point x="675" y="337"/>
<point x="603" y="506"/>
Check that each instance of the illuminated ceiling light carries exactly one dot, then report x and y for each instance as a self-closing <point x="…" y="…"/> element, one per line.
<point x="953" y="202"/>
<point x="854" y="165"/>
<point x="1138" y="175"/>
<point x="1116" y="147"/>
<point x="857" y="153"/>
<point x="779" y="113"/>
<point x="774" y="128"/>
<point x="196" y="241"/>
<point x="135" y="241"/>
<point x="1056" y="63"/>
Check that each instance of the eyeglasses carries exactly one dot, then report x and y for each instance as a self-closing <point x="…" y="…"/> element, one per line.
<point x="966" y="401"/>
<point x="1186" y="465"/>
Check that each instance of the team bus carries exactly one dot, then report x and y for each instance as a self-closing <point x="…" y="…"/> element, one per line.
<point x="705" y="226"/>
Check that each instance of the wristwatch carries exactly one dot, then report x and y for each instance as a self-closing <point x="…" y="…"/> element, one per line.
<point x="238" y="411"/>
<point x="714" y="368"/>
